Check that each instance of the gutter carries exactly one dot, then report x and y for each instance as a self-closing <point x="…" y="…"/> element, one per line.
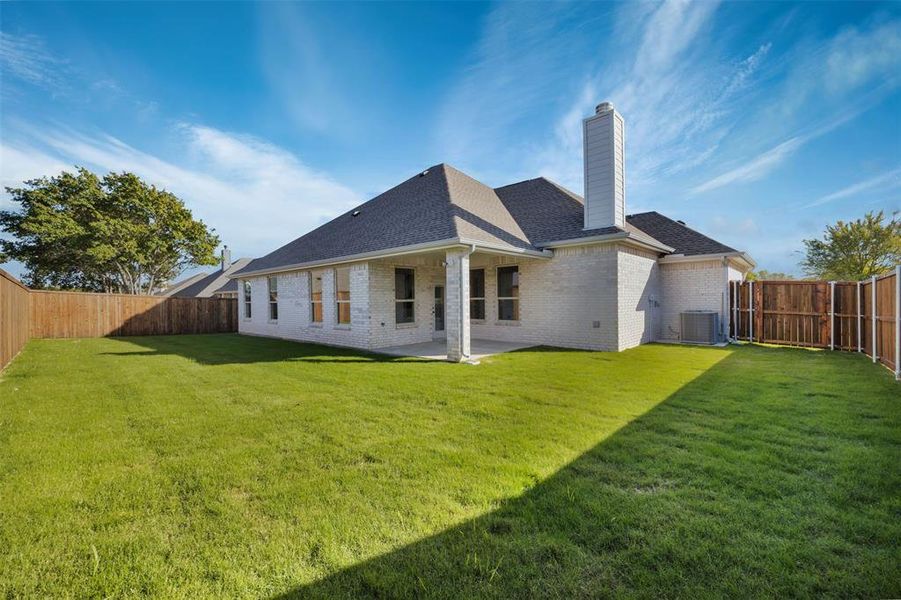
<point x="398" y="251"/>
<point x="619" y="236"/>
<point x="741" y="257"/>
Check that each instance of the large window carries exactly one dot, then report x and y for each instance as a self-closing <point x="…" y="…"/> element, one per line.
<point x="316" y="296"/>
<point x="342" y="294"/>
<point x="508" y="293"/>
<point x="477" y="294"/>
<point x="246" y="299"/>
<point x="273" y="298"/>
<point x="403" y="296"/>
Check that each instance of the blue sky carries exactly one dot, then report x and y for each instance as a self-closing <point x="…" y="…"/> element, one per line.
<point x="756" y="123"/>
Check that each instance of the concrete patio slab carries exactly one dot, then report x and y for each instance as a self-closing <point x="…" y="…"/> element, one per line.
<point x="437" y="349"/>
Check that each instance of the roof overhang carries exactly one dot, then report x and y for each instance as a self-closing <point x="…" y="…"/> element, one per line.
<point x="435" y="246"/>
<point x="624" y="237"/>
<point x="741" y="258"/>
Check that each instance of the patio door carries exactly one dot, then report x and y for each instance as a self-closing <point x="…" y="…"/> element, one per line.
<point x="439" y="311"/>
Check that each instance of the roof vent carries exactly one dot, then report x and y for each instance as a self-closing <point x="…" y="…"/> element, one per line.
<point x="424" y="173"/>
<point x="680" y="222"/>
<point x="355" y="213"/>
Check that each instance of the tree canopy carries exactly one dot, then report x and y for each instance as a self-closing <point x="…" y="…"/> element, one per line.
<point x="763" y="275"/>
<point x="855" y="250"/>
<point x="115" y="234"/>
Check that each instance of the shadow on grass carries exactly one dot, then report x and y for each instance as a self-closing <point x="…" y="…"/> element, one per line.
<point x="774" y="473"/>
<point x="224" y="349"/>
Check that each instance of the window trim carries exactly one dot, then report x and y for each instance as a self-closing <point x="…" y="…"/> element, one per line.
<point x="411" y="301"/>
<point x="500" y="298"/>
<point x="481" y="298"/>
<point x="248" y="296"/>
<point x="339" y="302"/>
<point x="313" y="303"/>
<point x="273" y="303"/>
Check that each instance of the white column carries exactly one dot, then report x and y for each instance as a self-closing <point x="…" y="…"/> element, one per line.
<point x="457" y="305"/>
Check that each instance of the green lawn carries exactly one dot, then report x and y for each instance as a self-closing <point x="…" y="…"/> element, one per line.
<point x="226" y="466"/>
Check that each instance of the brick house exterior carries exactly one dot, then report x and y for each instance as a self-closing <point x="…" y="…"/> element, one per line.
<point x="443" y="256"/>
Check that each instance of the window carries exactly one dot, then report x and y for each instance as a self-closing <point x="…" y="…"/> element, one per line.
<point x="508" y="293"/>
<point x="477" y="294"/>
<point x="246" y="299"/>
<point x="342" y="294"/>
<point x="316" y="297"/>
<point x="273" y="298"/>
<point x="403" y="296"/>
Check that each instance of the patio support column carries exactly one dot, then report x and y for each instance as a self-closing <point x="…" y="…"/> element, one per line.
<point x="457" y="304"/>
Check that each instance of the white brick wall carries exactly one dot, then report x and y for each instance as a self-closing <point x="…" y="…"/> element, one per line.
<point x="639" y="297"/>
<point x="625" y="292"/>
<point x="689" y="286"/>
<point x="428" y="272"/>
<point x="560" y="299"/>
<point x="295" y="312"/>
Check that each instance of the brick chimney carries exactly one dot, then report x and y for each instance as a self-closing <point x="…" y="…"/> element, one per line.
<point x="226" y="258"/>
<point x="604" y="140"/>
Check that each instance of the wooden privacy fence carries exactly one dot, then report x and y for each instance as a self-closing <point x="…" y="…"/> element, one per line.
<point x="14" y="306"/>
<point x="27" y="313"/>
<point x="855" y="316"/>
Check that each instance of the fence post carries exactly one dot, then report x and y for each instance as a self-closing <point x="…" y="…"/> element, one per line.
<point x="750" y="311"/>
<point x="832" y="315"/>
<point x="873" y="296"/>
<point x="734" y="300"/>
<point x="898" y="322"/>
<point x="858" y="317"/>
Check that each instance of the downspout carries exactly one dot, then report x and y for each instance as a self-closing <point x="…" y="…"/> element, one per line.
<point x="472" y="249"/>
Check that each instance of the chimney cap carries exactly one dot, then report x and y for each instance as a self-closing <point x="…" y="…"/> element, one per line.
<point x="603" y="107"/>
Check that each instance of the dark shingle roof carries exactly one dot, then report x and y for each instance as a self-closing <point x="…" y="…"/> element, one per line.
<point x="230" y="286"/>
<point x="439" y="205"/>
<point x="683" y="239"/>
<point x="443" y="203"/>
<point x="210" y="283"/>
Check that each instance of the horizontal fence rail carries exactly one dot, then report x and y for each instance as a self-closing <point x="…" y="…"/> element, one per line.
<point x="854" y="316"/>
<point x="27" y="313"/>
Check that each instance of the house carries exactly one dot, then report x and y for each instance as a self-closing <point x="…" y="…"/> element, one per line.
<point x="217" y="284"/>
<point x="444" y="257"/>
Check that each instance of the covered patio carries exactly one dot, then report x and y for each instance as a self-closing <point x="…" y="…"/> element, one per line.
<point x="437" y="349"/>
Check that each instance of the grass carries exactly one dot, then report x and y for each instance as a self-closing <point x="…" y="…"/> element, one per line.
<point x="213" y="466"/>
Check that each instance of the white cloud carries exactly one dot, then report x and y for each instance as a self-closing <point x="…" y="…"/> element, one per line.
<point x="881" y="183"/>
<point x="21" y="163"/>
<point x="25" y="57"/>
<point x="855" y="57"/>
<point x="754" y="169"/>
<point x="256" y="195"/>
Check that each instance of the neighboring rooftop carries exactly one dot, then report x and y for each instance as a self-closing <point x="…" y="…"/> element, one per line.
<point x="204" y="285"/>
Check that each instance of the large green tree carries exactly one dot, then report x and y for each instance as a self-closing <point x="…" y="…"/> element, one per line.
<point x="110" y="234"/>
<point x="856" y="250"/>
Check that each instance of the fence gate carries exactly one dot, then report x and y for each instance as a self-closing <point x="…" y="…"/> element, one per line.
<point x="855" y="316"/>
